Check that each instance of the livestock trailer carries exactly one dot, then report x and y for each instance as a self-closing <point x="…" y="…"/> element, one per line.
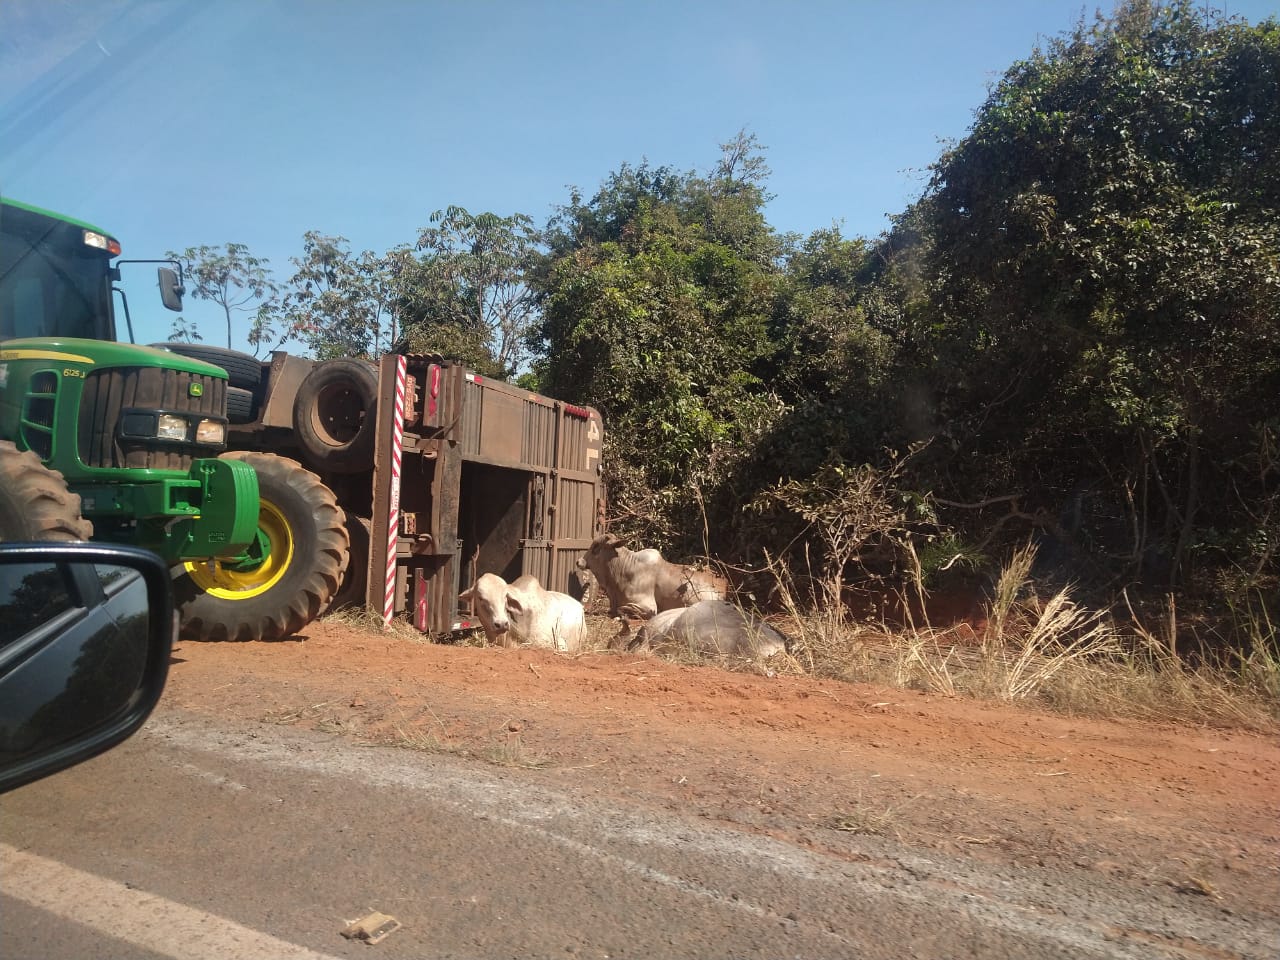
<point x="443" y="474"/>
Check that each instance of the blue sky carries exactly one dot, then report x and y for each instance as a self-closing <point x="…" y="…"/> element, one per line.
<point x="174" y="123"/>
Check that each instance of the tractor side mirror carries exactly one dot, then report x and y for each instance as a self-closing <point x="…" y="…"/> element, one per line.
<point x="171" y="290"/>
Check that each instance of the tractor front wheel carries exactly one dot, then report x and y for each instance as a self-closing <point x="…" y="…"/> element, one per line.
<point x="290" y="576"/>
<point x="35" y="503"/>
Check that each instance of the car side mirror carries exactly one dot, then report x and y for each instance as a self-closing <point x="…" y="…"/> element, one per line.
<point x="86" y="633"/>
<point x="171" y="290"/>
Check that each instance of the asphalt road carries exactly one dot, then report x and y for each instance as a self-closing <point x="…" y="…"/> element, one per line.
<point x="201" y="839"/>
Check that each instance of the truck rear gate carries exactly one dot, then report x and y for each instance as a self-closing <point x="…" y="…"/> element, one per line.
<point x="487" y="478"/>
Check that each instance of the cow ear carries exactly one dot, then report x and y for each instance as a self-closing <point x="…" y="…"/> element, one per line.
<point x="466" y="596"/>
<point x="514" y="604"/>
<point x="613" y="540"/>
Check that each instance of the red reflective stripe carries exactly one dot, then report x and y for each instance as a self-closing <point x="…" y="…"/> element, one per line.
<point x="433" y="391"/>
<point x="420" y="586"/>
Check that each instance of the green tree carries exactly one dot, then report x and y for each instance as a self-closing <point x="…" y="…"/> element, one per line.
<point x="838" y="372"/>
<point x="235" y="280"/>
<point x="656" y="297"/>
<point x="1105" y="255"/>
<point x="338" y="304"/>
<point x="465" y="291"/>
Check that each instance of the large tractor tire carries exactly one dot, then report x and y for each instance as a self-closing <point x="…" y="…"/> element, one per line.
<point x="243" y="371"/>
<point x="334" y="415"/>
<point x="35" y="503"/>
<point x="309" y="551"/>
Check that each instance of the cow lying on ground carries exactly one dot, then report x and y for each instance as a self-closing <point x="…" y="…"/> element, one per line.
<point x="711" y="627"/>
<point x="524" y="613"/>
<point x="639" y="583"/>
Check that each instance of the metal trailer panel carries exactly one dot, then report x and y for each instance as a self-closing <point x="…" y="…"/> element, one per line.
<point x="540" y="432"/>
<point x="501" y="428"/>
<point x="470" y="415"/>
<point x="578" y="492"/>
<point x="454" y="418"/>
<point x="575" y="513"/>
<point x="446" y="495"/>
<point x="581" y="436"/>
<point x="536" y="560"/>
<point x="284" y="376"/>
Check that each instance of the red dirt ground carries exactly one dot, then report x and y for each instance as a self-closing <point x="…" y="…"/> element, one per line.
<point x="815" y="761"/>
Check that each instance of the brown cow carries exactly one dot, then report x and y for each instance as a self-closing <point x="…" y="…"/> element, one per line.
<point x="639" y="583"/>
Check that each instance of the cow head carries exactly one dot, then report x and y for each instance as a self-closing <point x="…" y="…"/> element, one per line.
<point x="603" y="548"/>
<point x="488" y="597"/>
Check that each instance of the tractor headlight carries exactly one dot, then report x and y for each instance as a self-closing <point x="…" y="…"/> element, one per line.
<point x="211" y="432"/>
<point x="170" y="427"/>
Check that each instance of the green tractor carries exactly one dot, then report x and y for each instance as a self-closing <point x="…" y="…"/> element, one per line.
<point x="128" y="444"/>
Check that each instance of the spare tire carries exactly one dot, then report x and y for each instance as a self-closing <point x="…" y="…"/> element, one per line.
<point x="239" y="405"/>
<point x="335" y="416"/>
<point x="352" y="591"/>
<point x="243" y="371"/>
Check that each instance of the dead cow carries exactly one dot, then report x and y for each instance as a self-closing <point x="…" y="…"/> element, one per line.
<point x="640" y="583"/>
<point x="712" y="627"/>
<point x="524" y="612"/>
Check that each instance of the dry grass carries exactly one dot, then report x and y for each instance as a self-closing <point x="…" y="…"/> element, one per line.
<point x="1052" y="653"/>
<point x="506" y="749"/>
<point x="603" y="635"/>
<point x="864" y="817"/>
<point x="1037" y="643"/>
<point x="316" y="715"/>
<point x="423" y="739"/>
<point x="425" y="731"/>
<point x="509" y="750"/>
<point x="366" y="620"/>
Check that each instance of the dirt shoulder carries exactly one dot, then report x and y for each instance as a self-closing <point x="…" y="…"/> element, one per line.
<point x="826" y="764"/>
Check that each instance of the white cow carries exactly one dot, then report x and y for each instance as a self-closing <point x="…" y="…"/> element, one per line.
<point x="711" y="627"/>
<point x="640" y="583"/>
<point x="524" y="613"/>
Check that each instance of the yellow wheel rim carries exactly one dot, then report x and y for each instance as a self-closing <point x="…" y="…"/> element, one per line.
<point x="211" y="577"/>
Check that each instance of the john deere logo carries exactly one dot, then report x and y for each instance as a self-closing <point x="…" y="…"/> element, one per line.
<point x="196" y="389"/>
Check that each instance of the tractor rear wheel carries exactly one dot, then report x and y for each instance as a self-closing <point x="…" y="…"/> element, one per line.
<point x="35" y="503"/>
<point x="294" y="580"/>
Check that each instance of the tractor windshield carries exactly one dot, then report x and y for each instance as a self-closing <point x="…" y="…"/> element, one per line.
<point x="53" y="283"/>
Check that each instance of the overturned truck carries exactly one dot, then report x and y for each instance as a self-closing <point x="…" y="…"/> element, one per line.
<point x="440" y="475"/>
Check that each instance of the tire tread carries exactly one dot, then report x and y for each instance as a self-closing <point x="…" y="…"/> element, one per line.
<point x="37" y="500"/>
<point x="297" y="599"/>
